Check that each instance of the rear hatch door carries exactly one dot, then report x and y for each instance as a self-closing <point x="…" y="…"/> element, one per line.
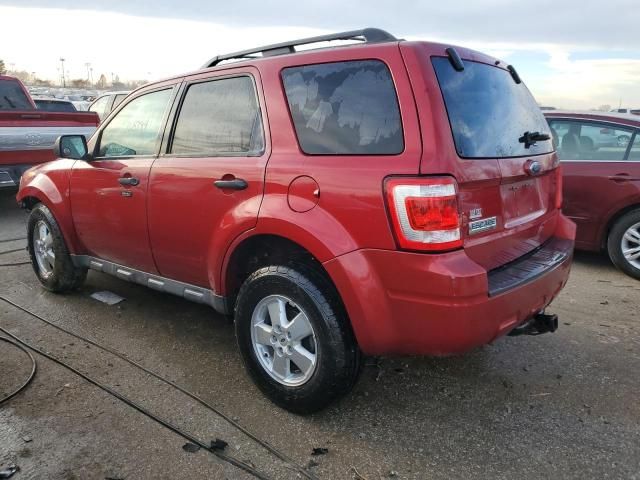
<point x="507" y="181"/>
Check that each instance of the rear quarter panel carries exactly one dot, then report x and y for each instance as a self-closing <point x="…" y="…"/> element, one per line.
<point x="350" y="212"/>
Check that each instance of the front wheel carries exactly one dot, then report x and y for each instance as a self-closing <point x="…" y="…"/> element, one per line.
<point x="49" y="254"/>
<point x="295" y="339"/>
<point x="624" y="244"/>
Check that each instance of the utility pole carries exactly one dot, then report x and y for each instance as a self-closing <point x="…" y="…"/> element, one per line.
<point x="64" y="81"/>
<point x="91" y="75"/>
<point x="88" y="65"/>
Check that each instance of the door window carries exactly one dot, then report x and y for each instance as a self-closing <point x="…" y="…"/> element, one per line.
<point x="634" y="154"/>
<point x="99" y="106"/>
<point x="135" y="130"/>
<point x="117" y="101"/>
<point x="219" y="117"/>
<point x="575" y="140"/>
<point x="344" y="108"/>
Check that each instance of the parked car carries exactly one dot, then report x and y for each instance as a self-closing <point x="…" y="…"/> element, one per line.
<point x="632" y="111"/>
<point x="366" y="198"/>
<point x="27" y="135"/>
<point x="54" y="105"/>
<point x="104" y="104"/>
<point x="602" y="185"/>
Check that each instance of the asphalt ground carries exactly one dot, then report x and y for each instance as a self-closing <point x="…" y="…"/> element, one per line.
<point x="562" y="405"/>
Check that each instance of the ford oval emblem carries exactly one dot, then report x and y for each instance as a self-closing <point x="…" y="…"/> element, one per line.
<point x="532" y="167"/>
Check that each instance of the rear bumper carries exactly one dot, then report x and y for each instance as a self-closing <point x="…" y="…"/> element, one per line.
<point x="10" y="175"/>
<point x="411" y="303"/>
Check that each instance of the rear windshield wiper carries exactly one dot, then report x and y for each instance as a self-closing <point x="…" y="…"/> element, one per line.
<point x="530" y="138"/>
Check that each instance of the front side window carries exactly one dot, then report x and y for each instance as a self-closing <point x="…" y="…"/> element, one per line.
<point x="347" y="108"/>
<point x="488" y="111"/>
<point x="135" y="130"/>
<point x="219" y="117"/>
<point x="576" y="140"/>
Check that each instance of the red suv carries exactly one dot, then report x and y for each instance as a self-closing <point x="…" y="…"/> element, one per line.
<point x="388" y="197"/>
<point x="600" y="154"/>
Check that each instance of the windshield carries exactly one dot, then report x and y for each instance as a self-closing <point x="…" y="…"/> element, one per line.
<point x="489" y="112"/>
<point x="12" y="97"/>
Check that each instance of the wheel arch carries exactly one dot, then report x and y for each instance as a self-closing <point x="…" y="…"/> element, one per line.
<point x="262" y="249"/>
<point x="613" y="219"/>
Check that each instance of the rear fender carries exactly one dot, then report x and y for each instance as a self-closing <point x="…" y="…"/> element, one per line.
<point x="316" y="231"/>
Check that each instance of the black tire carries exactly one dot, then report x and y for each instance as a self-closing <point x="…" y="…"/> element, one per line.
<point x="64" y="276"/>
<point x="614" y="243"/>
<point x="338" y="356"/>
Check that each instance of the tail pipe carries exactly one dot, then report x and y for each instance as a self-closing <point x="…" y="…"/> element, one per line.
<point x="538" y="324"/>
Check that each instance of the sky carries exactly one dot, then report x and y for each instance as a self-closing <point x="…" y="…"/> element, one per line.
<point x="571" y="53"/>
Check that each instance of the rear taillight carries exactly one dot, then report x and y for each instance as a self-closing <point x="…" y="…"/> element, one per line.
<point x="559" y="186"/>
<point x="424" y="212"/>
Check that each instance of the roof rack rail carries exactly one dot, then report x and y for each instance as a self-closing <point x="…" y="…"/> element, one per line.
<point x="367" y="35"/>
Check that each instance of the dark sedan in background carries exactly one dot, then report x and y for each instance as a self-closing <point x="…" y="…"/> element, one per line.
<point x="600" y="155"/>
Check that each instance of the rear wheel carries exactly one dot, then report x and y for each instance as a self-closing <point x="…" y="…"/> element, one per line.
<point x="49" y="254"/>
<point x="624" y="244"/>
<point x="294" y="338"/>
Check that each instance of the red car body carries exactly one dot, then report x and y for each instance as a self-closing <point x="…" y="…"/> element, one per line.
<point x="174" y="224"/>
<point x="600" y="190"/>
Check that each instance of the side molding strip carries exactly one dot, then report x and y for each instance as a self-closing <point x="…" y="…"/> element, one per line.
<point x="156" y="282"/>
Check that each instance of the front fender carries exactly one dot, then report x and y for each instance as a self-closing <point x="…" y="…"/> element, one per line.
<point x="49" y="185"/>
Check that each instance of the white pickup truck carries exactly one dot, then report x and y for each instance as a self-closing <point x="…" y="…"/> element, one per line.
<point x="27" y="135"/>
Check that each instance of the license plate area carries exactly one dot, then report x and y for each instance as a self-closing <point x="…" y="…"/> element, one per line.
<point x="523" y="201"/>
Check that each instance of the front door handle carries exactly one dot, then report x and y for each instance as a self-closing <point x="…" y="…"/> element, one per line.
<point x="235" y="184"/>
<point x="131" y="181"/>
<point x="620" y="177"/>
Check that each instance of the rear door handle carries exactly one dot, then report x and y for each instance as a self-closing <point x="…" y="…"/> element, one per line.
<point x="132" y="181"/>
<point x="235" y="184"/>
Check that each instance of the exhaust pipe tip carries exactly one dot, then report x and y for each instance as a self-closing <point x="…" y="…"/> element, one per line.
<point x="537" y="325"/>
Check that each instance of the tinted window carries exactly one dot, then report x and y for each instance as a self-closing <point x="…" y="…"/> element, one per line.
<point x="135" y="129"/>
<point x="344" y="108"/>
<point x="489" y="111"/>
<point x="220" y="116"/>
<point x="12" y="96"/>
<point x="52" y="106"/>
<point x="577" y="140"/>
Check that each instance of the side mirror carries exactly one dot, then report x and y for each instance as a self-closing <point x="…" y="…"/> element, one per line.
<point x="71" y="146"/>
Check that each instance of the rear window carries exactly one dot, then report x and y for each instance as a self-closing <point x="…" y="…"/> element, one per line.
<point x="347" y="108"/>
<point x="12" y="97"/>
<point x="51" y="106"/>
<point x="489" y="111"/>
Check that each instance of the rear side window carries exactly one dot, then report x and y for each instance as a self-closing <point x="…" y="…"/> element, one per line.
<point x="489" y="112"/>
<point x="219" y="117"/>
<point x="12" y="97"/>
<point x="347" y="108"/>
